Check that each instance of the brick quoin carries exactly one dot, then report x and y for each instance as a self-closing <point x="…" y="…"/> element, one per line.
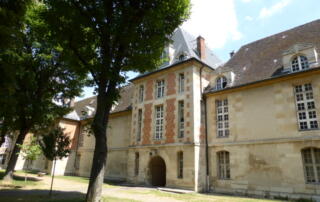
<point x="149" y="90"/>
<point x="147" y="124"/>
<point x="171" y="79"/>
<point x="170" y="120"/>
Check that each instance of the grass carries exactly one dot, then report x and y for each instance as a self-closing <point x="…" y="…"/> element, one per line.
<point x="43" y="198"/>
<point x="82" y="180"/>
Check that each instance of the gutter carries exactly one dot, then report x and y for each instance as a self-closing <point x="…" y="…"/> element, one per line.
<point x="204" y="102"/>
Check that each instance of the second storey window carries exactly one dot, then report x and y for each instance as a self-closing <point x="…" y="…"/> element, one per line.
<point x="222" y="118"/>
<point x="160" y="89"/>
<point x="181" y="83"/>
<point x="139" y="125"/>
<point x="306" y="110"/>
<point x="159" y="122"/>
<point x="180" y="119"/>
<point x="299" y="63"/>
<point x="141" y="93"/>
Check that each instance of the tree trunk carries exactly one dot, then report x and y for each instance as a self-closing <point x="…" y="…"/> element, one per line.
<point x="14" y="156"/>
<point x="99" y="126"/>
<point x="52" y="175"/>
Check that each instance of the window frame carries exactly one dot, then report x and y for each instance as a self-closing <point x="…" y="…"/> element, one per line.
<point x="139" y="125"/>
<point x="180" y="165"/>
<point x="136" y="163"/>
<point x="221" y="83"/>
<point x="160" y="88"/>
<point x="301" y="63"/>
<point x="222" y="110"/>
<point x="315" y="165"/>
<point x="181" y="82"/>
<point x="141" y="93"/>
<point x="304" y="98"/>
<point x="223" y="165"/>
<point x="158" y="122"/>
<point x="181" y="119"/>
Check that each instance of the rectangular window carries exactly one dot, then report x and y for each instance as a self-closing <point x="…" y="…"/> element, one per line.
<point x="136" y="164"/>
<point x="223" y="165"/>
<point x="141" y="93"/>
<point x="311" y="161"/>
<point x="306" y="110"/>
<point x="222" y="118"/>
<point x="81" y="137"/>
<point x="2" y="159"/>
<point x="180" y="165"/>
<point x="181" y="119"/>
<point x="139" y="125"/>
<point x="159" y="122"/>
<point x="181" y="83"/>
<point x="160" y="89"/>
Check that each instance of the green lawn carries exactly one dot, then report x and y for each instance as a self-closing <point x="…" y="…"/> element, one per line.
<point x="81" y="180"/>
<point x="18" y="181"/>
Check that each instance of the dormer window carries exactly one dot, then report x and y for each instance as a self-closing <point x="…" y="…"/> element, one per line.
<point x="299" y="63"/>
<point x="221" y="83"/>
<point x="182" y="57"/>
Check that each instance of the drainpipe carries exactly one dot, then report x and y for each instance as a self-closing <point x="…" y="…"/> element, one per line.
<point x="204" y="100"/>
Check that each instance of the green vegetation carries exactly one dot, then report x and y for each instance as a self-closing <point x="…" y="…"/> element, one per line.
<point x="82" y="180"/>
<point x="17" y="182"/>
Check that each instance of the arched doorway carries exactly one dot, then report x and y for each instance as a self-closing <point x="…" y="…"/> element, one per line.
<point x="157" y="168"/>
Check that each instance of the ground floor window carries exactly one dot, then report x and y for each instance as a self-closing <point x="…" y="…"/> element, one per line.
<point x="77" y="163"/>
<point x="311" y="161"/>
<point x="223" y="165"/>
<point x="136" y="164"/>
<point x="180" y="164"/>
<point x="2" y="159"/>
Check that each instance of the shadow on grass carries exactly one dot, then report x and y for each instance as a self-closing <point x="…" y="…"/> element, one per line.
<point x="19" y="177"/>
<point x="38" y="195"/>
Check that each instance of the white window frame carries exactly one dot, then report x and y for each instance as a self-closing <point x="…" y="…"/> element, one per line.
<point x="160" y="84"/>
<point x="223" y="163"/>
<point x="311" y="164"/>
<point x="141" y="93"/>
<point x="181" y="119"/>
<point x="180" y="165"/>
<point x="139" y="129"/>
<point x="221" y="82"/>
<point x="181" y="82"/>
<point x="305" y="107"/>
<point x="158" y="129"/>
<point x="299" y="63"/>
<point x="222" y="118"/>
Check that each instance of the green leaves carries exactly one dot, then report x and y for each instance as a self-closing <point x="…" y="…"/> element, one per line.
<point x="55" y="144"/>
<point x="30" y="150"/>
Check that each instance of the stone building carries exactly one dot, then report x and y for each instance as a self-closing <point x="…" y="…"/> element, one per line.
<point x="248" y="126"/>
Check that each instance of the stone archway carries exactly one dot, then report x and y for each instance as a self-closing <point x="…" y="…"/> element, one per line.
<point x="157" y="168"/>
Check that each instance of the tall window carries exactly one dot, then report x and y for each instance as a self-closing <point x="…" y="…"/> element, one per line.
<point x="180" y="119"/>
<point x="136" y="164"/>
<point x="181" y="83"/>
<point x="222" y="118"/>
<point x="299" y="63"/>
<point x="2" y="159"/>
<point x="311" y="161"/>
<point x="306" y="110"/>
<point x="81" y="138"/>
<point x="141" y="93"/>
<point x="77" y="162"/>
<point x="223" y="165"/>
<point x="139" y="125"/>
<point x="180" y="164"/>
<point x="160" y="89"/>
<point x="221" y="83"/>
<point x="159" y="122"/>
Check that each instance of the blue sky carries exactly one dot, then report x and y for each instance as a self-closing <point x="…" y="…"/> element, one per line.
<point x="227" y="25"/>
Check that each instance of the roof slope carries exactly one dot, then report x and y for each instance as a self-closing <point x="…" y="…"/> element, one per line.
<point x="262" y="59"/>
<point x="85" y="108"/>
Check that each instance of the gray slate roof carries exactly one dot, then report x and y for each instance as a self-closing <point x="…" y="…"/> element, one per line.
<point x="262" y="59"/>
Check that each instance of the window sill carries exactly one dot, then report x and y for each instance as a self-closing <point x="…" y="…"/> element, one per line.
<point x="222" y="136"/>
<point x="305" y="130"/>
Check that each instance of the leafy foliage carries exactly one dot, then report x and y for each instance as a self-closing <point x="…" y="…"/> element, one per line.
<point x="30" y="151"/>
<point x="55" y="144"/>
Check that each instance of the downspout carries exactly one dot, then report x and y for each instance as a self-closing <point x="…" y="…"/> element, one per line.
<point x="204" y="101"/>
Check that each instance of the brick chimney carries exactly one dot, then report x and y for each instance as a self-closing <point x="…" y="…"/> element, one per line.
<point x="201" y="46"/>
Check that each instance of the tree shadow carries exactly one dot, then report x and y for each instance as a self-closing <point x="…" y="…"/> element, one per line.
<point x="40" y="195"/>
<point x="20" y="177"/>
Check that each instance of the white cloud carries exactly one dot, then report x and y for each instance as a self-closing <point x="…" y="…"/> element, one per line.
<point x="267" y="12"/>
<point x="248" y="18"/>
<point x="215" y="20"/>
<point x="246" y="1"/>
